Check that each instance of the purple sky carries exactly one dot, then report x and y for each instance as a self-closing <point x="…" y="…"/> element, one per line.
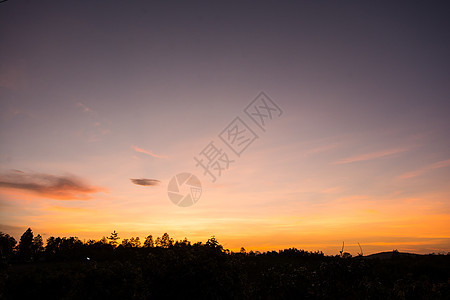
<point x="363" y="140"/>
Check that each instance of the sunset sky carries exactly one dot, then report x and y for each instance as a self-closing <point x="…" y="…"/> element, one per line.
<point x="96" y="93"/>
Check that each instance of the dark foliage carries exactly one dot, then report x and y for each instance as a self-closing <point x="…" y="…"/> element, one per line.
<point x="168" y="269"/>
<point x="7" y="244"/>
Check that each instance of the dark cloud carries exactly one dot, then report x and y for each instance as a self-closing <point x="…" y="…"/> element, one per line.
<point x="145" y="181"/>
<point x="66" y="187"/>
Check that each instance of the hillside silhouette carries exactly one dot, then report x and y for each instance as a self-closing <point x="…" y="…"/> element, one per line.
<point x="67" y="268"/>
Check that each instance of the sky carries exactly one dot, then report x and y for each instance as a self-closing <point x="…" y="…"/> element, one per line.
<point x="103" y="103"/>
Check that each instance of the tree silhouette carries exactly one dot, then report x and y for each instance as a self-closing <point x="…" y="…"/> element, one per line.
<point x="126" y="243"/>
<point x="135" y="242"/>
<point x="52" y="246"/>
<point x="148" y="243"/>
<point x="38" y="246"/>
<point x="165" y="241"/>
<point x="184" y="242"/>
<point x="113" y="238"/>
<point x="213" y="243"/>
<point x="26" y="245"/>
<point x="7" y="244"/>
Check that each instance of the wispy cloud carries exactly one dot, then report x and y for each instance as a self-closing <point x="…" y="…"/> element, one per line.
<point x="145" y="181"/>
<point x="67" y="187"/>
<point x="98" y="129"/>
<point x="423" y="170"/>
<point x="370" y="156"/>
<point x="84" y="107"/>
<point x="141" y="150"/>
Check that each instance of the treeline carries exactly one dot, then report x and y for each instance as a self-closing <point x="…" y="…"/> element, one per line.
<point x="68" y="268"/>
<point x="31" y="248"/>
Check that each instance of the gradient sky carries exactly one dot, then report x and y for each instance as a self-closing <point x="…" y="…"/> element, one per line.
<point x="94" y="94"/>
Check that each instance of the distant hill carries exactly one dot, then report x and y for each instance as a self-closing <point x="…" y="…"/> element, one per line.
<point x="390" y="254"/>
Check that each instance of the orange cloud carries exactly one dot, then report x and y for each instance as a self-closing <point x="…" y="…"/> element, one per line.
<point x="140" y="150"/>
<point x="370" y="156"/>
<point x="56" y="187"/>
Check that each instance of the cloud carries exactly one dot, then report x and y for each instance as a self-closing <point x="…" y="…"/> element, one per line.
<point x="84" y="107"/>
<point x="145" y="181"/>
<point x="370" y="156"/>
<point x="140" y="150"/>
<point x="67" y="187"/>
<point x="98" y="128"/>
<point x="418" y="172"/>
